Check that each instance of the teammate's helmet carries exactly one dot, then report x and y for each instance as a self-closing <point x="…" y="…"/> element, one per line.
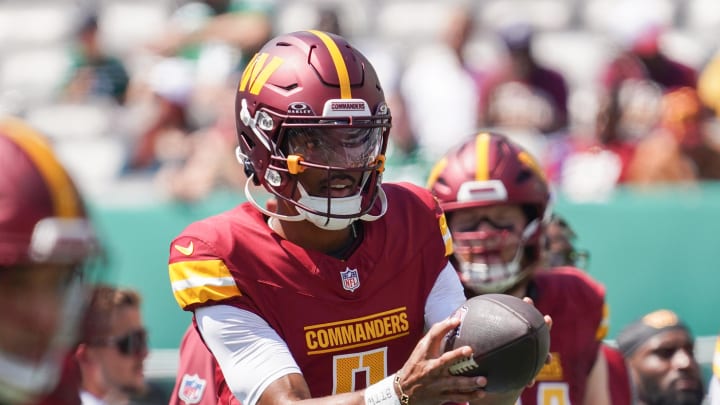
<point x="309" y="99"/>
<point x="45" y="240"/>
<point x="490" y="170"/>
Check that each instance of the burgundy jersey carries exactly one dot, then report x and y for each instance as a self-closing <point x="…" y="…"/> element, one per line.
<point x="618" y="377"/>
<point x="348" y="323"/>
<point x="195" y="382"/>
<point x="576" y="304"/>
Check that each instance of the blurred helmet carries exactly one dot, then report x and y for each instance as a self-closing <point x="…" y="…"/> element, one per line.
<point x="490" y="170"/>
<point x="45" y="240"/>
<point x="309" y="99"/>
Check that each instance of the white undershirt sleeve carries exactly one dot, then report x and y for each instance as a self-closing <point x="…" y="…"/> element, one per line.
<point x="445" y="297"/>
<point x="250" y="353"/>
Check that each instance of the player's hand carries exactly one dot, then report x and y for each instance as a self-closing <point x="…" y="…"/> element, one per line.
<point x="426" y="378"/>
<point x="548" y="322"/>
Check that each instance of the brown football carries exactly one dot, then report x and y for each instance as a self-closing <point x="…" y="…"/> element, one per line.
<point x="509" y="338"/>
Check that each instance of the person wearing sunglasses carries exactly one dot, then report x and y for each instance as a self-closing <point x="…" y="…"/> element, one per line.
<point x="111" y="355"/>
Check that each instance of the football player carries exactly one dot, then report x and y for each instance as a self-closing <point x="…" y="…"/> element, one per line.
<point x="45" y="243"/>
<point x="659" y="350"/>
<point x="327" y="297"/>
<point x="195" y="379"/>
<point x="496" y="201"/>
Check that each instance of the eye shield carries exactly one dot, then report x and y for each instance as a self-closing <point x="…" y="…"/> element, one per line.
<point x="335" y="147"/>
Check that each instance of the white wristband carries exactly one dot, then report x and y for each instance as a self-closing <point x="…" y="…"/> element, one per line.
<point x="382" y="393"/>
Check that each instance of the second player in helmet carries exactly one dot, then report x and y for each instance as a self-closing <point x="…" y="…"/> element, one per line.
<point x="496" y="200"/>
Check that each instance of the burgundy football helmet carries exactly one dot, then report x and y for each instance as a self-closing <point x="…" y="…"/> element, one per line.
<point x="490" y="170"/>
<point x="309" y="99"/>
<point x="45" y="242"/>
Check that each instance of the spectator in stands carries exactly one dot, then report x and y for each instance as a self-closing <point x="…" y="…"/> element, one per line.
<point x="522" y="93"/>
<point x="709" y="85"/>
<point x="111" y="355"/>
<point x="46" y="246"/>
<point x="659" y="350"/>
<point x="207" y="160"/>
<point x="589" y="166"/>
<point x="638" y="31"/>
<point x="680" y="149"/>
<point x="160" y="134"/>
<point x="440" y="88"/>
<point x="93" y="73"/>
<point x="243" y="24"/>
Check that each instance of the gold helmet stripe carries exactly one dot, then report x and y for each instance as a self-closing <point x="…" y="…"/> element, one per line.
<point x="340" y="66"/>
<point x="482" y="147"/>
<point x="66" y="203"/>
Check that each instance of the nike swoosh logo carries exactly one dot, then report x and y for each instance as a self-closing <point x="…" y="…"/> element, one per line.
<point x="187" y="251"/>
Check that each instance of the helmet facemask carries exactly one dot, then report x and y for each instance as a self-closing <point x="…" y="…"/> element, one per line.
<point x="68" y="252"/>
<point x="348" y="150"/>
<point x="495" y="259"/>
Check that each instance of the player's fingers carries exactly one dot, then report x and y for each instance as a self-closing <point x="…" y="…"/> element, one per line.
<point x="548" y="321"/>
<point x="463" y="389"/>
<point x="435" y="336"/>
<point x="451" y="357"/>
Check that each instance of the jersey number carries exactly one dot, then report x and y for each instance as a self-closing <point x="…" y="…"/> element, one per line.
<point x="355" y="371"/>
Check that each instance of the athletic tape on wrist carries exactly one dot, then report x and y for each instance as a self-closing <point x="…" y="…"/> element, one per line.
<point x="382" y="393"/>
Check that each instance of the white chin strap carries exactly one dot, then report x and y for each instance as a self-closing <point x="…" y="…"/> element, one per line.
<point x="339" y="206"/>
<point x="492" y="278"/>
<point x="21" y="382"/>
<point x="498" y="277"/>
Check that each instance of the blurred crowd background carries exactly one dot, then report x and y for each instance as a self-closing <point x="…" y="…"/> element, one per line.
<point x="137" y="97"/>
<point x="138" y="94"/>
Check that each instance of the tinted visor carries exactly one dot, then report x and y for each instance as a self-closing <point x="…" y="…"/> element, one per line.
<point x="335" y="147"/>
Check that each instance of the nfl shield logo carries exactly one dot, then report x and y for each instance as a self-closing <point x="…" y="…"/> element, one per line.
<point x="350" y="279"/>
<point x="191" y="389"/>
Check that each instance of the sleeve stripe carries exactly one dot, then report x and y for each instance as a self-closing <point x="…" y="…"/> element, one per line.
<point x="447" y="237"/>
<point x="199" y="295"/>
<point x="195" y="282"/>
<point x="198" y="268"/>
<point x="602" y="330"/>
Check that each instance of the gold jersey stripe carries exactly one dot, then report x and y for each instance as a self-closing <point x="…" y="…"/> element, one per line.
<point x="199" y="295"/>
<point x="195" y="282"/>
<point x="447" y="237"/>
<point x="66" y="203"/>
<point x="716" y="359"/>
<point x="337" y="58"/>
<point x="482" y="146"/>
<point x="604" y="323"/>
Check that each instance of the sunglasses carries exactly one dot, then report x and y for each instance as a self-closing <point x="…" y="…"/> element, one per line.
<point x="131" y="344"/>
